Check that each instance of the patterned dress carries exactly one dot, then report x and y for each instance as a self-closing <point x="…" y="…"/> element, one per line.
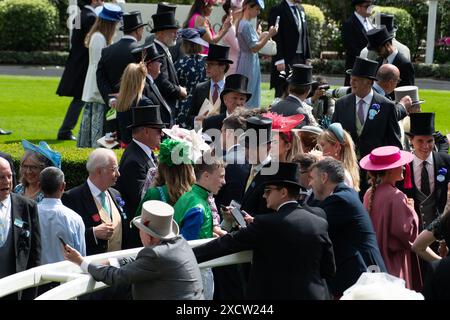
<point x="190" y="72"/>
<point x="248" y="62"/>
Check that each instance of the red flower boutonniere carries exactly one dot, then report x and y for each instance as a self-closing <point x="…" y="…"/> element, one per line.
<point x="96" y="217"/>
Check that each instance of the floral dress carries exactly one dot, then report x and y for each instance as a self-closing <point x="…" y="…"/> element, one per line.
<point x="190" y="72"/>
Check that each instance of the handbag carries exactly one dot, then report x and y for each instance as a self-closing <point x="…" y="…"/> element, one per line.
<point x="269" y="49"/>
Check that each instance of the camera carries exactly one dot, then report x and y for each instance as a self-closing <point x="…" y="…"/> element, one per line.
<point x="324" y="87"/>
<point x="338" y="92"/>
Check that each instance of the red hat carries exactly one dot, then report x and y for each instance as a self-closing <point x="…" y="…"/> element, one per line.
<point x="284" y="124"/>
<point x="385" y="158"/>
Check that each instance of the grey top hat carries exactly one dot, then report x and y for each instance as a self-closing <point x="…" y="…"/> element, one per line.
<point x="411" y="91"/>
<point x="156" y="219"/>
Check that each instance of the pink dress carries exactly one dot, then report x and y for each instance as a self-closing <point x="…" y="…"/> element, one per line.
<point x="396" y="227"/>
<point x="191" y="24"/>
<point x="229" y="39"/>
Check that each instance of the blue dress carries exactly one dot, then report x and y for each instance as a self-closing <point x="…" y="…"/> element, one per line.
<point x="190" y="71"/>
<point x="248" y="62"/>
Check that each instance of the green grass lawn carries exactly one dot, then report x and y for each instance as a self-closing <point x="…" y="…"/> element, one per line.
<point x="30" y="108"/>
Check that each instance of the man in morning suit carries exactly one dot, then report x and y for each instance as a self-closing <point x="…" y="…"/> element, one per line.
<point x="99" y="204"/>
<point x="72" y="80"/>
<point x="165" y="269"/>
<point x="233" y="96"/>
<point x="299" y="86"/>
<point x="354" y="31"/>
<point x="351" y="231"/>
<point x="165" y="30"/>
<point x="429" y="170"/>
<point x="138" y="158"/>
<point x="369" y="117"/>
<point x="292" y="41"/>
<point x="217" y="64"/>
<point x="20" y="241"/>
<point x="298" y="261"/>
<point x="116" y="57"/>
<point x="153" y="59"/>
<point x="380" y="40"/>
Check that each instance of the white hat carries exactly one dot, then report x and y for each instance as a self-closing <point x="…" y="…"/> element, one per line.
<point x="156" y="219"/>
<point x="411" y="91"/>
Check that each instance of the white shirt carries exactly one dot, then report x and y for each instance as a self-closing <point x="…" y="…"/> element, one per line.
<point x="129" y="37"/>
<point x="220" y="83"/>
<point x="96" y="193"/>
<point x="391" y="57"/>
<point x="146" y="149"/>
<point x="364" y="21"/>
<point x="5" y="217"/>
<point x="417" y="166"/>
<point x="367" y="100"/>
<point x="58" y="221"/>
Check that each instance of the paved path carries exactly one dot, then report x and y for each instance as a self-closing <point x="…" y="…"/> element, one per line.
<point x="52" y="71"/>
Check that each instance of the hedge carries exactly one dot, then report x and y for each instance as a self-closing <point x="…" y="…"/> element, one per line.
<point x="27" y="24"/>
<point x="335" y="67"/>
<point x="73" y="160"/>
<point x="57" y="58"/>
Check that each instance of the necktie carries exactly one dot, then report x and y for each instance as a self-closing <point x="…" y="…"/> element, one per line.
<point x="424" y="180"/>
<point x="251" y="177"/>
<point x="215" y="94"/>
<point x="296" y="14"/>
<point x="361" y="114"/>
<point x="105" y="204"/>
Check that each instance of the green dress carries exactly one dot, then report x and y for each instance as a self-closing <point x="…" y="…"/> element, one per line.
<point x="154" y="193"/>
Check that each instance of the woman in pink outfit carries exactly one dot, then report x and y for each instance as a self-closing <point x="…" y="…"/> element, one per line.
<point x="233" y="8"/>
<point x="198" y="18"/>
<point x="392" y="213"/>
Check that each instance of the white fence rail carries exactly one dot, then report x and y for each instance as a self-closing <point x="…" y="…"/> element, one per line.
<point x="74" y="283"/>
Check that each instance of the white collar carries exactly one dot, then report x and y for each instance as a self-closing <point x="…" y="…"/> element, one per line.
<point x="7" y="202"/>
<point x="361" y="18"/>
<point x="418" y="162"/>
<point x="220" y="83"/>
<point x="263" y="163"/>
<point x="392" y="56"/>
<point x="367" y="99"/>
<point x="290" y="3"/>
<point x="162" y="45"/>
<point x="290" y="201"/>
<point x="144" y="147"/>
<point x="149" y="77"/>
<point x="127" y="36"/>
<point x="94" y="190"/>
<point x="90" y="8"/>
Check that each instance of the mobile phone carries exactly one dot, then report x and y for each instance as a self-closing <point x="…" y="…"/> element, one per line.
<point x="237" y="214"/>
<point x="62" y="241"/>
<point x="277" y="22"/>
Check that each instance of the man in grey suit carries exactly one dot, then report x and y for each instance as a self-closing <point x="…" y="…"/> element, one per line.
<point x="166" y="269"/>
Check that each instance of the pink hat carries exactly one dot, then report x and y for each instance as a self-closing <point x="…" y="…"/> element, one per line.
<point x="385" y="158"/>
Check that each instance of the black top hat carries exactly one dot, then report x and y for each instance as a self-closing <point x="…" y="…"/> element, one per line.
<point x="355" y="2"/>
<point x="146" y="52"/>
<point x="421" y="124"/>
<point x="236" y="83"/>
<point x="146" y="116"/>
<point x="164" y="21"/>
<point x="132" y="21"/>
<point x="388" y="21"/>
<point x="287" y="174"/>
<point x="364" y="68"/>
<point x="218" y="53"/>
<point x="166" y="7"/>
<point x="255" y="127"/>
<point x="377" y="37"/>
<point x="301" y="75"/>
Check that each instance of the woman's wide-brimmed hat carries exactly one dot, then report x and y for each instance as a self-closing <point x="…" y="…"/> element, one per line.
<point x="111" y="12"/>
<point x="193" y="35"/>
<point x="385" y="158"/>
<point x="44" y="150"/>
<point x="156" y="219"/>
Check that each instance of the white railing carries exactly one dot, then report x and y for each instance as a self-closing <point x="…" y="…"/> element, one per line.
<point x="75" y="283"/>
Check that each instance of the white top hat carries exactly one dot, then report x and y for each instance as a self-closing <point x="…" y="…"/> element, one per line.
<point x="156" y="219"/>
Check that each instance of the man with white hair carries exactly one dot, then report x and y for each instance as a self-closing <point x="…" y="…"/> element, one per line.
<point x="98" y="204"/>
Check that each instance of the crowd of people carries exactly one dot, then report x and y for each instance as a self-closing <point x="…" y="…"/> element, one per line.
<point x="348" y="180"/>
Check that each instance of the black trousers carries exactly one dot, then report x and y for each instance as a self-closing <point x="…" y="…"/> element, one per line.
<point x="71" y="118"/>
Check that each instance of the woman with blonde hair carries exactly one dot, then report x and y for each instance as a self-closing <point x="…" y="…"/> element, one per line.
<point x="338" y="144"/>
<point x="99" y="37"/>
<point x="130" y="95"/>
